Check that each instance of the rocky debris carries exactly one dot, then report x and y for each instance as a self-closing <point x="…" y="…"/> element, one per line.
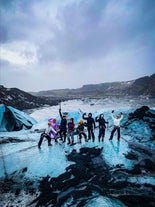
<point x="143" y="115"/>
<point x="137" y="201"/>
<point x="87" y="178"/>
<point x="91" y="175"/>
<point x="16" y="182"/>
<point x="17" y="190"/>
<point x="4" y="140"/>
<point x="139" y="113"/>
<point x="143" y="158"/>
<point x="144" y="86"/>
<point x="22" y="100"/>
<point x="131" y="156"/>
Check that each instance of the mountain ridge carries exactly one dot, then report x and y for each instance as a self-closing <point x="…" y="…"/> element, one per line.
<point x="22" y="100"/>
<point x="144" y="86"/>
<point x="141" y="86"/>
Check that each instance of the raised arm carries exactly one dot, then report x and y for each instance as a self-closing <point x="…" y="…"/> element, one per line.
<point x="60" y="113"/>
<point x="84" y="116"/>
<point x="112" y="115"/>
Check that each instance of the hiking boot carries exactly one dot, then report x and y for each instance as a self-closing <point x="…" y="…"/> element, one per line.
<point x="72" y="143"/>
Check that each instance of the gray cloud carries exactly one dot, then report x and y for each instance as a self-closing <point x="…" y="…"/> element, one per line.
<point x="92" y="30"/>
<point x="75" y="35"/>
<point x="87" y="28"/>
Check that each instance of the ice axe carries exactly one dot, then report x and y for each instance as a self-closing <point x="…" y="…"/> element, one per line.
<point x="60" y="105"/>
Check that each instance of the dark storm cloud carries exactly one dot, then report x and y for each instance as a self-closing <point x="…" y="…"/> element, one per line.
<point x="99" y="35"/>
<point x="92" y="29"/>
<point x="86" y="29"/>
<point x="19" y="20"/>
<point x="79" y="33"/>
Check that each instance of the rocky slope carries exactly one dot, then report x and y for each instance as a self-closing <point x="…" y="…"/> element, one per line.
<point x="142" y="86"/>
<point x="23" y="100"/>
<point x="89" y="178"/>
<point x="19" y="99"/>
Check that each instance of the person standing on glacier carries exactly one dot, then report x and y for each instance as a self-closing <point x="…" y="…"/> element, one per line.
<point x="70" y="133"/>
<point x="63" y="126"/>
<point x="90" y="125"/>
<point x="45" y="134"/>
<point x="81" y="130"/>
<point x="116" y="127"/>
<point x="102" y="126"/>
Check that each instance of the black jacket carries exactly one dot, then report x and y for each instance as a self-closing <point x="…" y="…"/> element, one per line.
<point x="63" y="123"/>
<point x="102" y="122"/>
<point x="81" y="127"/>
<point x="90" y="121"/>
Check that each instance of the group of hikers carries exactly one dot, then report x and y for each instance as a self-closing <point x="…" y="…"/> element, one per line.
<point x="67" y="130"/>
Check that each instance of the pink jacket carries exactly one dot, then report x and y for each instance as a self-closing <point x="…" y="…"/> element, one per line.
<point x="53" y="129"/>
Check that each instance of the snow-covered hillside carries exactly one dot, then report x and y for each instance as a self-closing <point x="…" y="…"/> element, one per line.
<point x="23" y="165"/>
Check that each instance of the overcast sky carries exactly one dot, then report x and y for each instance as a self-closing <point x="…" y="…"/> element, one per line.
<point x="53" y="44"/>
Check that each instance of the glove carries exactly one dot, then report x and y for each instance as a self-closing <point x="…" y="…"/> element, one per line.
<point x="112" y="111"/>
<point x="84" y="114"/>
<point x="121" y="113"/>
